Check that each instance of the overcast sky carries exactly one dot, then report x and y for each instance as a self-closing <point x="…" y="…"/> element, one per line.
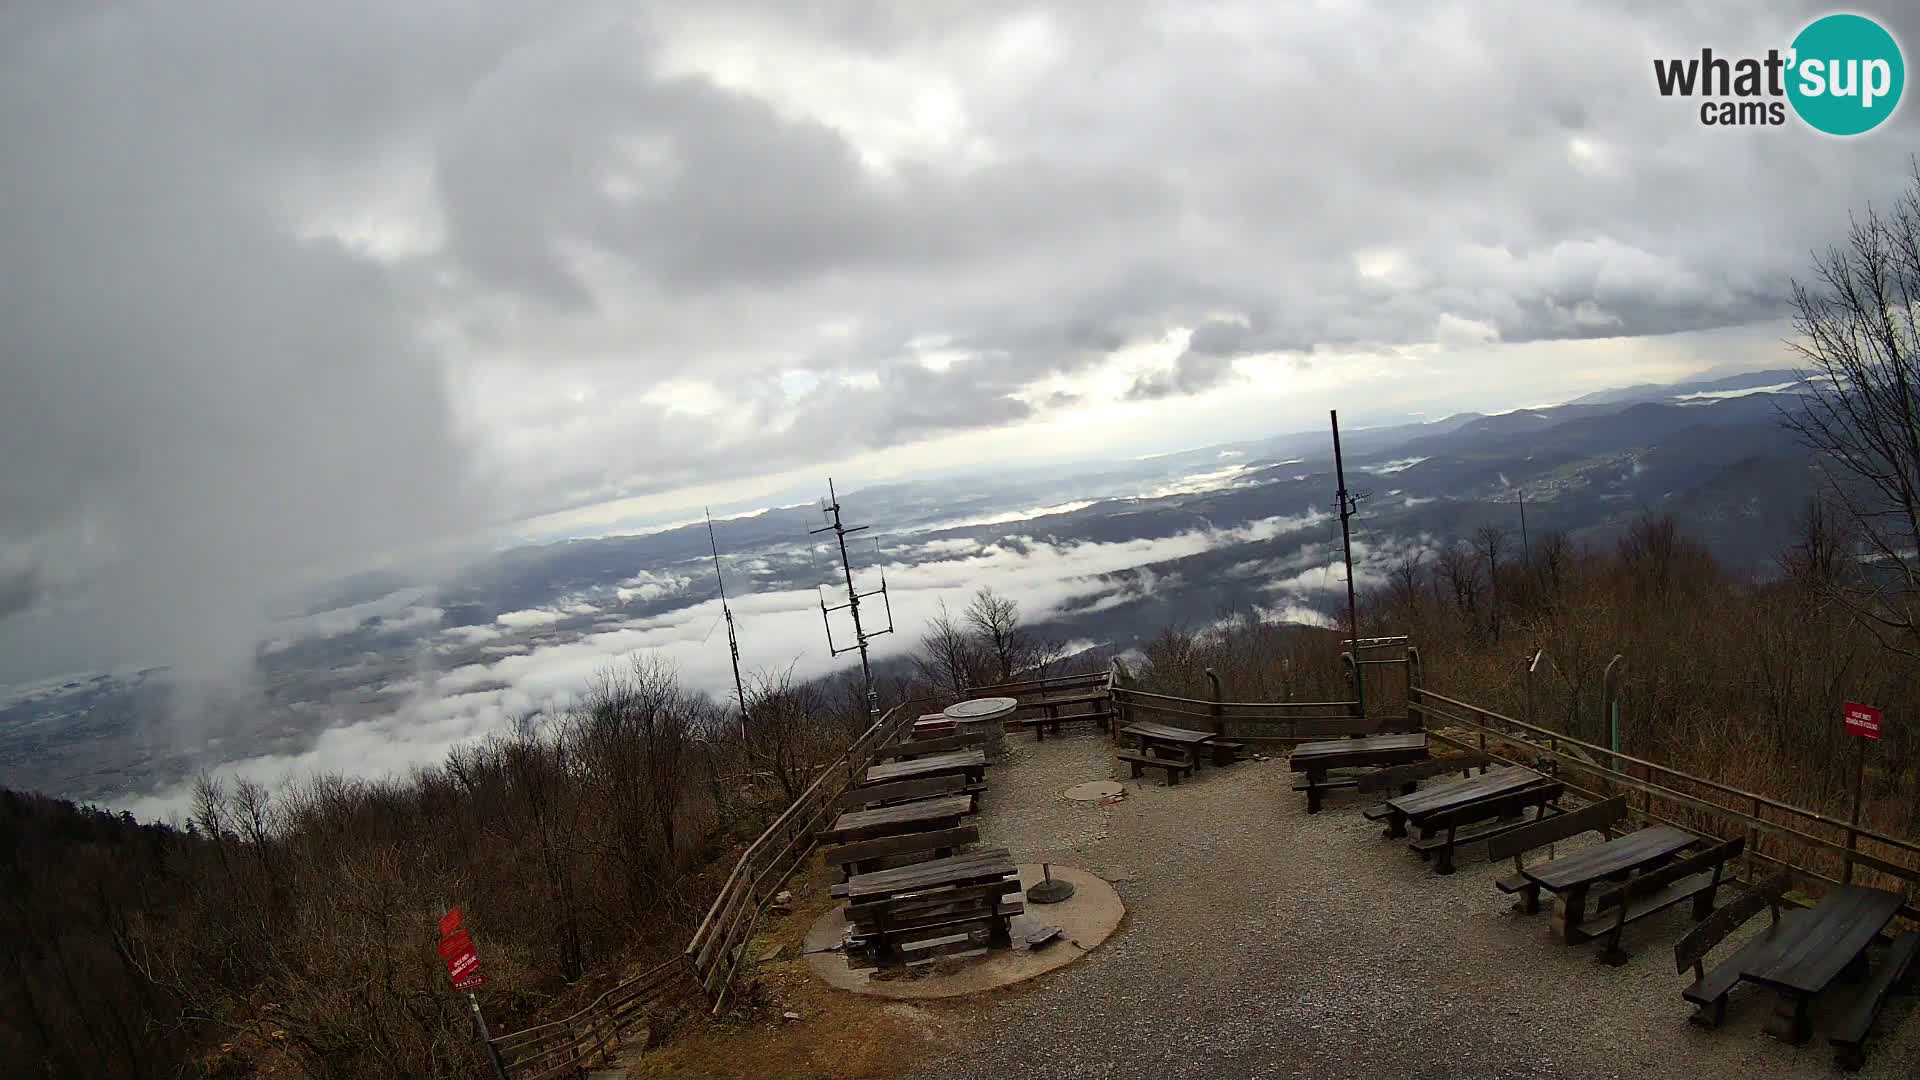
<point x="288" y="288"/>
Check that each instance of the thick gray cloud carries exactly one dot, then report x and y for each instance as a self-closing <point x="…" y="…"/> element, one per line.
<point x="288" y="288"/>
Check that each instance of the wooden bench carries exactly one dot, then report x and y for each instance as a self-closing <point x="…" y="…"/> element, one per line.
<point x="1050" y="702"/>
<point x="917" y="912"/>
<point x="1710" y="988"/>
<point x="1442" y="831"/>
<point x="1896" y="969"/>
<point x="1600" y="817"/>
<point x="864" y="856"/>
<point x="1406" y="778"/>
<point x="918" y="748"/>
<point x="1379" y="750"/>
<point x="1175" y="767"/>
<point x="1226" y="753"/>
<point x="1696" y="876"/>
<point x="900" y="791"/>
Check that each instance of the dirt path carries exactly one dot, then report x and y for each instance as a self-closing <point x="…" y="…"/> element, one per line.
<point x="1264" y="942"/>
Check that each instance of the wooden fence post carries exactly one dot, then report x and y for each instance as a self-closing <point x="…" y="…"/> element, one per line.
<point x="1219" y="725"/>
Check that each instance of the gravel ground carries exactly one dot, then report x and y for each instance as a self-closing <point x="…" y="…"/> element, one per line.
<point x="1263" y="942"/>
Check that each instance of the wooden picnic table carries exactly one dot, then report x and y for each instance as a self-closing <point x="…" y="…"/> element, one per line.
<point x="1316" y="759"/>
<point x="971" y="762"/>
<point x="923" y="816"/>
<point x="1570" y="877"/>
<point x="1420" y="805"/>
<point x="1811" y="948"/>
<point x="1183" y="739"/>
<point x="1051" y="704"/>
<point x="956" y="905"/>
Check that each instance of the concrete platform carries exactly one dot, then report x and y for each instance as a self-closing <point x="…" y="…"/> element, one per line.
<point x="1086" y="919"/>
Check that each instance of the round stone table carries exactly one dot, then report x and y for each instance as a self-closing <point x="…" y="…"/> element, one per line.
<point x="986" y="716"/>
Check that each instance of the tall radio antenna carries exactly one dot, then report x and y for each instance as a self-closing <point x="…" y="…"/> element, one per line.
<point x="831" y="510"/>
<point x="1347" y="503"/>
<point x="733" y="640"/>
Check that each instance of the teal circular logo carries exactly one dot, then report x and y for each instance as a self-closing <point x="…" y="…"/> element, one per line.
<point x="1845" y="74"/>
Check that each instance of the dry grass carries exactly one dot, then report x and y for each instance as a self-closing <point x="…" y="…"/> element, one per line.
<point x="840" y="1036"/>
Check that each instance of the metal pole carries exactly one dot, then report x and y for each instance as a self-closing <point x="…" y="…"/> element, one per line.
<point x="1346" y="544"/>
<point x="486" y="1040"/>
<point x="733" y="642"/>
<point x="1853" y="821"/>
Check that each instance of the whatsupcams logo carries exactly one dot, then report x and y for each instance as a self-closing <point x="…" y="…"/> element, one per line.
<point x="1842" y="75"/>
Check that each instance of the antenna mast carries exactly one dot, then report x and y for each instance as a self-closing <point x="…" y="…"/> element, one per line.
<point x="1347" y="504"/>
<point x="831" y="508"/>
<point x="733" y="640"/>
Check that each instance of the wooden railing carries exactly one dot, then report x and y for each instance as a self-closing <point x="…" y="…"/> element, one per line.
<point x="1789" y="833"/>
<point x="717" y="946"/>
<point x="566" y="1047"/>
<point x="1252" y="721"/>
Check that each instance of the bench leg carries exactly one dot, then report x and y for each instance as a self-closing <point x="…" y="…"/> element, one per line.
<point x="1711" y="1016"/>
<point x="1314" y="780"/>
<point x="1613" y="955"/>
<point x="1790" y="1023"/>
<point x="1569" y="910"/>
<point x="1703" y="904"/>
<point x="1396" y="825"/>
<point x="1136" y="769"/>
<point x="1409" y="787"/>
<point x="1530" y="900"/>
<point x="1444" y="864"/>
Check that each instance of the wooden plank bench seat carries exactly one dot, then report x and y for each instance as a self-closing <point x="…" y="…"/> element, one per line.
<point x="1896" y="969"/>
<point x="1050" y="705"/>
<point x="1174" y="767"/>
<point x="863" y="856"/>
<point x="918" y="748"/>
<point x="1318" y="760"/>
<point x="1442" y="830"/>
<point x="1710" y="988"/>
<point x="1601" y="817"/>
<point x="1696" y="877"/>
<point x="1404" y="779"/>
<point x="902" y="791"/>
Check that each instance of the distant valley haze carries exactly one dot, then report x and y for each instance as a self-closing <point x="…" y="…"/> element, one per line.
<point x="366" y="369"/>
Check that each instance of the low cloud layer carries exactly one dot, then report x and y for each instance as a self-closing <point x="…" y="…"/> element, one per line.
<point x="292" y="290"/>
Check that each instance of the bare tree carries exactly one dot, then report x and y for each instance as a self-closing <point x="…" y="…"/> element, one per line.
<point x="1552" y="558"/>
<point x="1461" y="572"/>
<point x="1859" y="335"/>
<point x="1489" y="541"/>
<point x="947" y="657"/>
<point x="1404" y="581"/>
<point x="996" y="626"/>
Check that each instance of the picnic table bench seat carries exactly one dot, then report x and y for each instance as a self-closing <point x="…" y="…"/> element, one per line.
<point x="1710" y="988"/>
<point x="929" y="747"/>
<point x="1050" y="717"/>
<point x="1318" y="760"/>
<point x="914" y="913"/>
<point x="1799" y="956"/>
<point x="1174" y="766"/>
<point x="1896" y="970"/>
<point x="903" y="791"/>
<point x="924" y="815"/>
<point x="1602" y="817"/>
<point x="970" y="762"/>
<point x="1695" y="877"/>
<point x="1443" y="831"/>
<point x="864" y="856"/>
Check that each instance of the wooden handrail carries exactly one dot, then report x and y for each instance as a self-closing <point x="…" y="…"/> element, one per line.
<point x="1428" y="696"/>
